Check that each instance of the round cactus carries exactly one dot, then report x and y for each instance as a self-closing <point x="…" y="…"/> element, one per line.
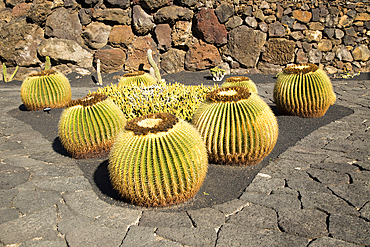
<point x="137" y="78"/>
<point x="241" y="81"/>
<point x="303" y="90"/>
<point x="47" y="88"/>
<point x="238" y="127"/>
<point x="88" y="126"/>
<point x="158" y="160"/>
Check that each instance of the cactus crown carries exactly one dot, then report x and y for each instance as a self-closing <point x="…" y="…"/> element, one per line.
<point x="301" y="68"/>
<point x="152" y="123"/>
<point x="135" y="73"/>
<point x="237" y="79"/>
<point x="44" y="73"/>
<point x="229" y="94"/>
<point x="89" y="100"/>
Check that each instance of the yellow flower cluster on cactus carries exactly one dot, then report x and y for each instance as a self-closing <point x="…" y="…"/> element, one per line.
<point x="158" y="160"/>
<point x="303" y="90"/>
<point x="176" y="98"/>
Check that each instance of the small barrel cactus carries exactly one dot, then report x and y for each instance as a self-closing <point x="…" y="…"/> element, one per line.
<point x="47" y="88"/>
<point x="88" y="126"/>
<point x="238" y="127"/>
<point x="303" y="90"/>
<point x="241" y="81"/>
<point x="137" y="78"/>
<point x="158" y="160"/>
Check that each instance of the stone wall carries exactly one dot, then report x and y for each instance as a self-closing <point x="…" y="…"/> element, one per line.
<point x="238" y="35"/>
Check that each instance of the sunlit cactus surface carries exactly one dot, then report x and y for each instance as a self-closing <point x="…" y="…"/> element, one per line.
<point x="47" y="88"/>
<point x="241" y="81"/>
<point x="137" y="78"/>
<point x="303" y="90"/>
<point x="238" y="127"/>
<point x="158" y="160"/>
<point x="89" y="126"/>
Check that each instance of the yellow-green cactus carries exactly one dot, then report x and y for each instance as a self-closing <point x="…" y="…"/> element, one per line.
<point x="158" y="160"/>
<point x="238" y="127"/>
<point x="47" y="88"/>
<point x="89" y="126"/>
<point x="137" y="78"/>
<point x="241" y="81"/>
<point x="303" y="90"/>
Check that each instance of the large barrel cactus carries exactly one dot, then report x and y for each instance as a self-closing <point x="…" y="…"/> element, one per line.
<point x="137" y="78"/>
<point x="238" y="127"/>
<point x="47" y="88"/>
<point x="241" y="81"/>
<point x="88" y="126"/>
<point x="303" y="90"/>
<point x="158" y="160"/>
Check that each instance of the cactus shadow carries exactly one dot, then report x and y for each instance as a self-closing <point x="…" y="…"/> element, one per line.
<point x="276" y="111"/>
<point x="22" y="107"/>
<point x="103" y="183"/>
<point x="58" y="147"/>
<point x="93" y="78"/>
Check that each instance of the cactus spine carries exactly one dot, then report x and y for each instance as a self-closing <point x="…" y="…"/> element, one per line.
<point x="137" y="78"/>
<point x="158" y="160"/>
<point x="241" y="81"/>
<point x="238" y="127"/>
<point x="303" y="90"/>
<point x="88" y="127"/>
<point x="47" y="88"/>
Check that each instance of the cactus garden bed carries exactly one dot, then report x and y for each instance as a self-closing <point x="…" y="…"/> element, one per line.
<point x="222" y="183"/>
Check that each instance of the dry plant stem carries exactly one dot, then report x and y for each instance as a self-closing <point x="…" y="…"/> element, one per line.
<point x="100" y="80"/>
<point x="154" y="66"/>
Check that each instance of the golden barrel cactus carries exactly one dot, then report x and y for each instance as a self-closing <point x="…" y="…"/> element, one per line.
<point x="303" y="90"/>
<point x="137" y="78"/>
<point x="89" y="126"/>
<point x="238" y="127"/>
<point x="158" y="160"/>
<point x="241" y="81"/>
<point x="47" y="88"/>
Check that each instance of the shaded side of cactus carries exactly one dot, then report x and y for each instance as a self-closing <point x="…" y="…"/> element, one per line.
<point x="241" y="81"/>
<point x="303" y="90"/>
<point x="238" y="127"/>
<point x="89" y="126"/>
<point x="137" y="78"/>
<point x="47" y="88"/>
<point x="158" y="160"/>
